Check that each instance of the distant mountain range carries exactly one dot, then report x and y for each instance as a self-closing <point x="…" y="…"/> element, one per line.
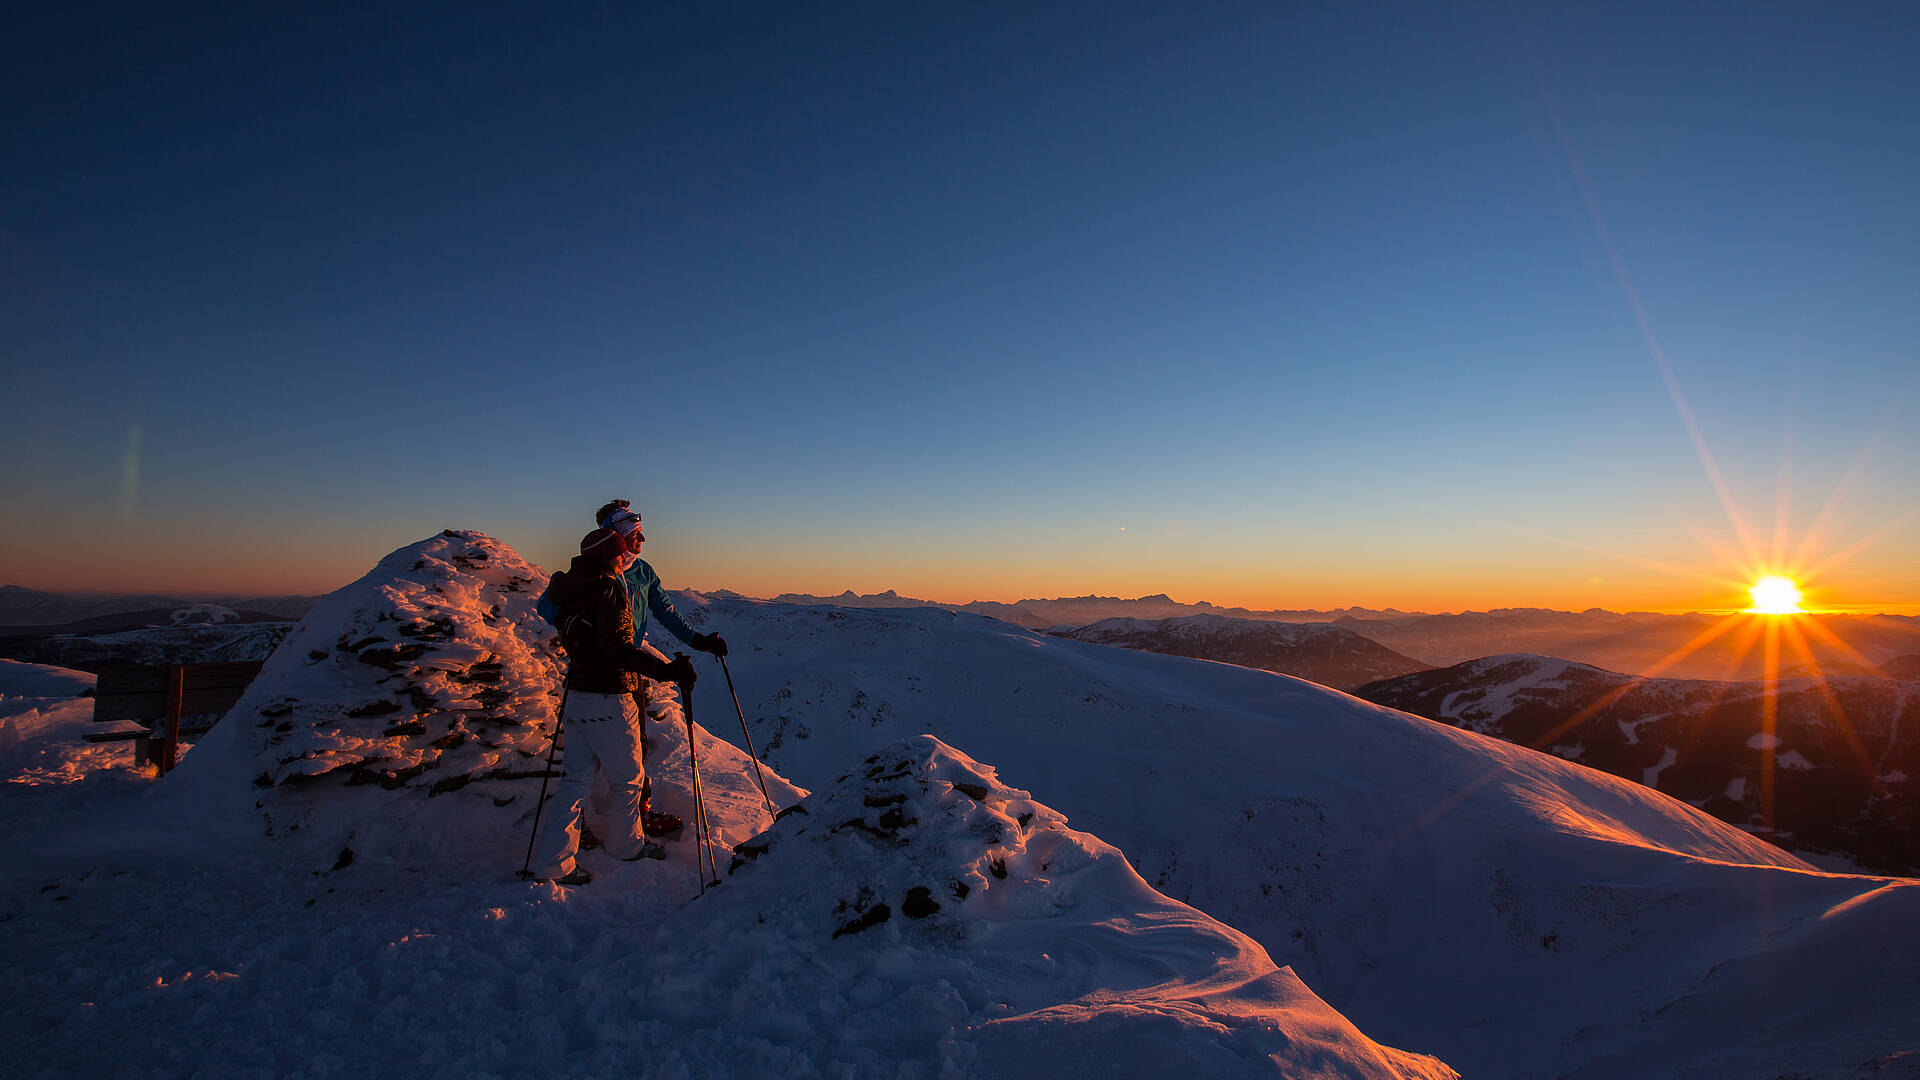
<point x="1691" y="646"/>
<point x="1318" y="652"/>
<point x="173" y="632"/>
<point x="1077" y="610"/>
<point x="1641" y="642"/>
<point x="23" y="607"/>
<point x="1838" y="774"/>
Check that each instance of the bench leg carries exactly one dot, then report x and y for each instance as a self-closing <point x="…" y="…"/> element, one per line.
<point x="142" y="749"/>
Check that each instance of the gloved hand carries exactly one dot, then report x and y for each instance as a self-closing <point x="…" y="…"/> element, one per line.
<point x="679" y="670"/>
<point x="709" y="643"/>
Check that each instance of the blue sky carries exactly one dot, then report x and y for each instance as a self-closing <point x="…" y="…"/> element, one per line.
<point x="1313" y="303"/>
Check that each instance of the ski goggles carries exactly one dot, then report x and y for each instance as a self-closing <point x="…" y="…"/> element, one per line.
<point x="625" y="522"/>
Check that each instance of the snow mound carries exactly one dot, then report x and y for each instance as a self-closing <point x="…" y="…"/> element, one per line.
<point x="430" y="671"/>
<point x="1514" y="914"/>
<point x="920" y="912"/>
<point x="42" y="719"/>
<point x="22" y="684"/>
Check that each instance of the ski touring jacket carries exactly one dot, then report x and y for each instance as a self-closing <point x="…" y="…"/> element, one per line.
<point x="596" y="625"/>
<point x="643" y="585"/>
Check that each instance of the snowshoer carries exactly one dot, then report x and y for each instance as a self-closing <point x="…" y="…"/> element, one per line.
<point x="602" y="722"/>
<point x="643" y="585"/>
<point x="647" y="597"/>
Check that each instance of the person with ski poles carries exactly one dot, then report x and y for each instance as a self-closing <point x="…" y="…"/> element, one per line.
<point x="589" y="603"/>
<point x="649" y="597"/>
<point x="643" y="584"/>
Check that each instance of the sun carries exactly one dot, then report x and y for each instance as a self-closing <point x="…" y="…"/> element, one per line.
<point x="1775" y="595"/>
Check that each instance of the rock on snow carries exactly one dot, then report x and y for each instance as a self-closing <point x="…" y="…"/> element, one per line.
<point x="920" y="911"/>
<point x="267" y="910"/>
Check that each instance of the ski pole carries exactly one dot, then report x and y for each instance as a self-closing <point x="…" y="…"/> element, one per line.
<point x="553" y="744"/>
<point x="757" y="774"/>
<point x="703" y="833"/>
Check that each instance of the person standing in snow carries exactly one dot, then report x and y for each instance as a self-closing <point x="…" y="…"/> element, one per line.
<point x="648" y="597"/>
<point x="643" y="585"/>
<point x="602" y="720"/>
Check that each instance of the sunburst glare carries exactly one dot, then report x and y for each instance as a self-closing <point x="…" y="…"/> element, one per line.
<point x="1775" y="595"/>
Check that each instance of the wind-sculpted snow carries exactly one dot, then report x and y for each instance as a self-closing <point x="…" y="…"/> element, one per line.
<point x="1512" y="913"/>
<point x="916" y="919"/>
<point x="431" y="670"/>
<point x="919" y="910"/>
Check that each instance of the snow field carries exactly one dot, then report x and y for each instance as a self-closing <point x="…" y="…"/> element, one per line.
<point x="1516" y="915"/>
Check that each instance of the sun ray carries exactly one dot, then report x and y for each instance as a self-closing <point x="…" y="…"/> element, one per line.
<point x="1600" y="704"/>
<point x="1532" y="533"/>
<point x="1652" y="340"/>
<point x="1769" y="722"/>
<point x="1782" y="504"/>
<point x="1799" y="642"/>
<point x="1726" y="679"/>
<point x="1861" y="544"/>
<point x="1726" y="556"/>
<point x="1827" y="636"/>
<point x="1811" y="541"/>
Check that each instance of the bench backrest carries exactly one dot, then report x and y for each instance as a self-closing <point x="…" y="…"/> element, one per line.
<point x="140" y="693"/>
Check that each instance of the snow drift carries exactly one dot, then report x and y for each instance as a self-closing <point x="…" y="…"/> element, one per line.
<point x="943" y="917"/>
<point x="1514" y="914"/>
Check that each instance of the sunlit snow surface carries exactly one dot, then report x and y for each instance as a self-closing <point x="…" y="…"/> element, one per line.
<point x="252" y="915"/>
<point x="1511" y="914"/>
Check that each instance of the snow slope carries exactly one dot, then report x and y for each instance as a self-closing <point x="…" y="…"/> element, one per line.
<point x="1516" y="915"/>
<point x="321" y="889"/>
<point x="42" y="717"/>
<point x="920" y="913"/>
<point x="1818" y="765"/>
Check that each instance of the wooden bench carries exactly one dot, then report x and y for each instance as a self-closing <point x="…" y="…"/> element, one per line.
<point x="163" y="696"/>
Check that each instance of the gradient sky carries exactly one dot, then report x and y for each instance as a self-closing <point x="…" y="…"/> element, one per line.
<point x="1263" y="305"/>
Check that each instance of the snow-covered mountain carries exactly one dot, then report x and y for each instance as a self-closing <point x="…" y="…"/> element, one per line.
<point x="21" y="607"/>
<point x="1448" y="894"/>
<point x="190" y="643"/>
<point x="1317" y="652"/>
<point x="333" y="865"/>
<point x="1833" y="771"/>
<point x="1512" y="913"/>
<point x="1692" y="646"/>
<point x="1077" y="610"/>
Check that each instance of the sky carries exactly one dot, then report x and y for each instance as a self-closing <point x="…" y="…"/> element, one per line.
<point x="1265" y="305"/>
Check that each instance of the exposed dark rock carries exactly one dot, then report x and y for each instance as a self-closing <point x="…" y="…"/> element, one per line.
<point x="919" y="903"/>
<point x="869" y="918"/>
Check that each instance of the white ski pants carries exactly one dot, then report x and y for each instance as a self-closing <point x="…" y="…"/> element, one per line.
<point x="603" y="738"/>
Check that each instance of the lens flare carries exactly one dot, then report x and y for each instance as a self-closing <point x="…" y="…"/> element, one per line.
<point x="1775" y="595"/>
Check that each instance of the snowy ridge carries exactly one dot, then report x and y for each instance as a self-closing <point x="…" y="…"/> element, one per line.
<point x="1511" y="913"/>
<point x="1318" y="652"/>
<point x="921" y="918"/>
